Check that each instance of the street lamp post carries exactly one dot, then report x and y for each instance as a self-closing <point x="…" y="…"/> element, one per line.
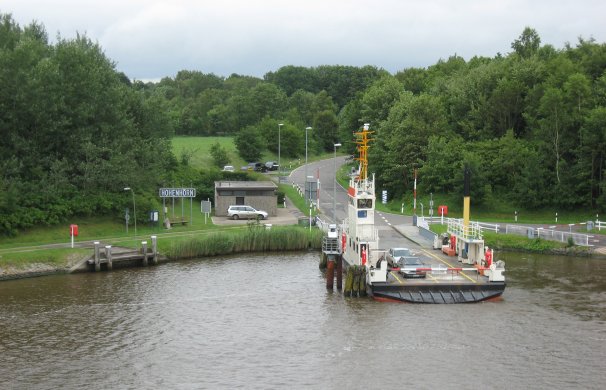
<point x="334" y="188"/>
<point x="279" y="160"/>
<point x="134" y="207"/>
<point x="306" y="190"/>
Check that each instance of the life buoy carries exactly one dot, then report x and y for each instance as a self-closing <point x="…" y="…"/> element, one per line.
<point x="488" y="257"/>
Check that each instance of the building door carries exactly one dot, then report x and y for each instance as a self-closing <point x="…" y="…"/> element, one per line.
<point x="239" y="200"/>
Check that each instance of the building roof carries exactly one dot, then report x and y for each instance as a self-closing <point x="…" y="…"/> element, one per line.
<point x="245" y="185"/>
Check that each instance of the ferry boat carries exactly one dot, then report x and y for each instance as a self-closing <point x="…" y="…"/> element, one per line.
<point x="468" y="275"/>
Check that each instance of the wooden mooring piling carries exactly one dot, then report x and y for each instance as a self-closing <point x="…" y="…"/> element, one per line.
<point x="333" y="261"/>
<point x="107" y="258"/>
<point x="334" y="268"/>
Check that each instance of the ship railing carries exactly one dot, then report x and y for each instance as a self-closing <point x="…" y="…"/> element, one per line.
<point x="549" y="234"/>
<point x="330" y="245"/>
<point x="471" y="232"/>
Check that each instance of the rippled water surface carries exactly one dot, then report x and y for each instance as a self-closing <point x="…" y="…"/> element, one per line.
<point x="268" y="322"/>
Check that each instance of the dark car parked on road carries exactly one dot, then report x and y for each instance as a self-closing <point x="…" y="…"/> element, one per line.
<point x="272" y="166"/>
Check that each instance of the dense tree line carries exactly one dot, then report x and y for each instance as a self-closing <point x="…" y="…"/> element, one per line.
<point x="74" y="132"/>
<point x="205" y="104"/>
<point x="531" y="124"/>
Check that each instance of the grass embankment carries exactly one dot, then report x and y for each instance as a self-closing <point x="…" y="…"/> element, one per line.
<point x="516" y="243"/>
<point x="59" y="258"/>
<point x="296" y="199"/>
<point x="255" y="238"/>
<point x="30" y="247"/>
<point x="103" y="228"/>
<point x="175" y="245"/>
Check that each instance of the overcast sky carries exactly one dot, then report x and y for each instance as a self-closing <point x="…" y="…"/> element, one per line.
<point x="150" y="39"/>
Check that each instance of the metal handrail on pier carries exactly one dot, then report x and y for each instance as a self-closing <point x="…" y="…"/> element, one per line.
<point x="471" y="232"/>
<point x="330" y="245"/>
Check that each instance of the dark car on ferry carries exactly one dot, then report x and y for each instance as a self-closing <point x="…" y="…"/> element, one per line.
<point x="413" y="268"/>
<point x="408" y="263"/>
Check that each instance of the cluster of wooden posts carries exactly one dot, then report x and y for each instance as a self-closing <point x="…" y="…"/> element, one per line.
<point x="111" y="257"/>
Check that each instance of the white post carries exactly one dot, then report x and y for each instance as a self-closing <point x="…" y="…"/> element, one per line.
<point x="414" y="200"/>
<point x="279" y="160"/>
<point x="154" y="240"/>
<point x="310" y="217"/>
<point x="144" y="251"/>
<point x="108" y="256"/>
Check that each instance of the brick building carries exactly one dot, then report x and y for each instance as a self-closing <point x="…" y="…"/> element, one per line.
<point x="262" y="195"/>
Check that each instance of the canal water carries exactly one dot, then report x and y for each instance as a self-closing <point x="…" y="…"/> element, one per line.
<point x="268" y="322"/>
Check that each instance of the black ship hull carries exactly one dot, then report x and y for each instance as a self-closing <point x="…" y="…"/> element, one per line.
<point x="437" y="293"/>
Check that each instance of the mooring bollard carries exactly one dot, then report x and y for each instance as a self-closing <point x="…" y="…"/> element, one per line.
<point x="144" y="249"/>
<point x="154" y="240"/>
<point x="108" y="254"/>
<point x="97" y="259"/>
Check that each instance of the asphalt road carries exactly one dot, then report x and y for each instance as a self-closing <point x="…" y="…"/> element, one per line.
<point x="325" y="171"/>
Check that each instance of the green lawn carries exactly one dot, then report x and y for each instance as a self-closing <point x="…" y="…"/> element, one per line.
<point x="198" y="148"/>
<point x="95" y="228"/>
<point x="62" y="257"/>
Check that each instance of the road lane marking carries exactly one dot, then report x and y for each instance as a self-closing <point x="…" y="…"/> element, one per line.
<point x="432" y="278"/>
<point x="448" y="264"/>
<point x="395" y="276"/>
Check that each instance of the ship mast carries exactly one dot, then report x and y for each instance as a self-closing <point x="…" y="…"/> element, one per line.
<point x="362" y="140"/>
